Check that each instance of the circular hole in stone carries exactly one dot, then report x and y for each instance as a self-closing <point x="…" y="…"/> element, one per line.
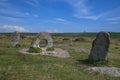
<point x="43" y="43"/>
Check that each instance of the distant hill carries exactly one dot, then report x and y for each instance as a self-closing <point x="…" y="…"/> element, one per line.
<point x="86" y="34"/>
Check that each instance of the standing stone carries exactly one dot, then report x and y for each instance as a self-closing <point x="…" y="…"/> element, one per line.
<point x="46" y="36"/>
<point x="15" y="40"/>
<point x="42" y="36"/>
<point x="35" y="43"/>
<point x="100" y="47"/>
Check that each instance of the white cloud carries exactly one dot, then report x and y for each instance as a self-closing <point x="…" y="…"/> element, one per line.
<point x="114" y="22"/>
<point x="35" y="15"/>
<point x="14" y="19"/>
<point x="83" y="10"/>
<point x="60" y="19"/>
<point x="89" y="17"/>
<point x="3" y="4"/>
<point x="57" y="21"/>
<point x="14" y="12"/>
<point x="33" y="3"/>
<point x="54" y="31"/>
<point x="113" y="19"/>
<point x="13" y="28"/>
<point x="16" y="15"/>
<point x="81" y="7"/>
<point x="27" y="13"/>
<point x="3" y="0"/>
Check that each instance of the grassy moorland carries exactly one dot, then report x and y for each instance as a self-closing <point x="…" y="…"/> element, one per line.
<point x="17" y="66"/>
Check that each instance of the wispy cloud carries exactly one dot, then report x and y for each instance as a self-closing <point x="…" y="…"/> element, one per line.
<point x="35" y="15"/>
<point x="113" y="19"/>
<point x="89" y="17"/>
<point x="60" y="20"/>
<point x="3" y="0"/>
<point x="114" y="22"/>
<point x="16" y="13"/>
<point x="4" y="4"/>
<point x="12" y="12"/>
<point x="83" y="10"/>
<point x="56" y="21"/>
<point x="13" y="28"/>
<point x="53" y="31"/>
<point x="112" y="15"/>
<point x="81" y="7"/>
<point x="13" y="19"/>
<point x="34" y="3"/>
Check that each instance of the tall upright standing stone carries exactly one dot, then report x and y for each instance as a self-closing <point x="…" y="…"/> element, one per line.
<point x="16" y="39"/>
<point x="100" y="47"/>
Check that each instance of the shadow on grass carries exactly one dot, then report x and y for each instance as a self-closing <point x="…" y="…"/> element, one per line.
<point x="87" y="62"/>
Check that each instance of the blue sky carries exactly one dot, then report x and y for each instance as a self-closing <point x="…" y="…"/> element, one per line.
<point x="59" y="15"/>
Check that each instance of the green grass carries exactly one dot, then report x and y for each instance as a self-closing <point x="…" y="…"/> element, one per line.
<point x="50" y="49"/>
<point x="17" y="66"/>
<point x="34" y="50"/>
<point x="79" y="39"/>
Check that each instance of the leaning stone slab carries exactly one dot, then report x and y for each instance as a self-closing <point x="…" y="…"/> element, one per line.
<point x="15" y="40"/>
<point x="111" y="71"/>
<point x="100" y="47"/>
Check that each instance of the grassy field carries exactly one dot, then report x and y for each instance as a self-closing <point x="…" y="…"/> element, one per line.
<point x="17" y="66"/>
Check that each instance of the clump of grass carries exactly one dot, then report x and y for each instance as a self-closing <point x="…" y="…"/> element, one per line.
<point x="36" y="50"/>
<point x="17" y="46"/>
<point x="79" y="39"/>
<point x="64" y="39"/>
<point x="100" y="63"/>
<point x="50" y="49"/>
